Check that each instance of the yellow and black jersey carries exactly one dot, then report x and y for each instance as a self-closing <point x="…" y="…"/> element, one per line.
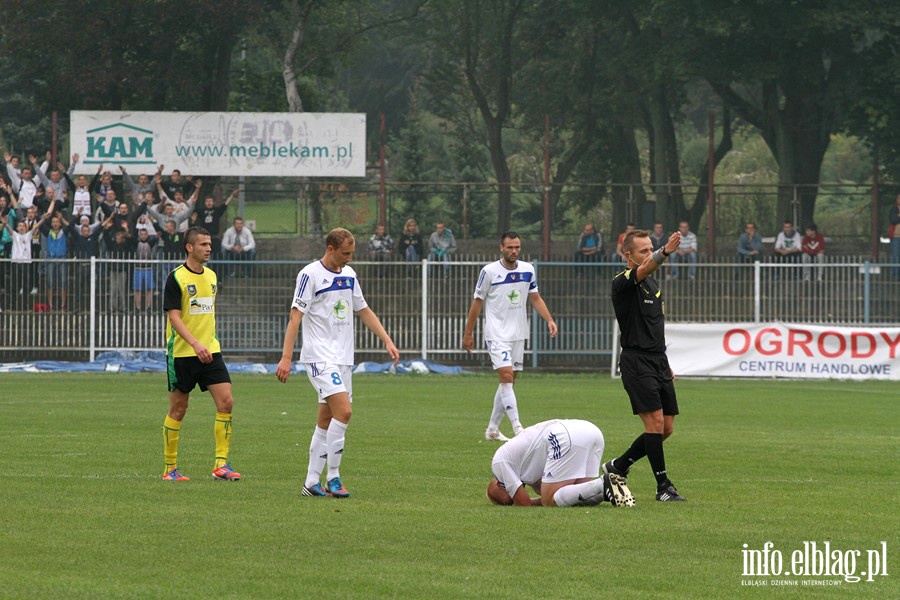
<point x="194" y="294"/>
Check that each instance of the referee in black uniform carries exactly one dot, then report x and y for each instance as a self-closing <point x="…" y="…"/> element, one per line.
<point x="646" y="374"/>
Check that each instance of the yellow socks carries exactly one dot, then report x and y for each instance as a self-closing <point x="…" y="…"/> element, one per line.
<point x="171" y="427"/>
<point x="222" y="431"/>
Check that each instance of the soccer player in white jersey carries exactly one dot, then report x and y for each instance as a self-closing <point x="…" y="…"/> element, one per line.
<point x="326" y="297"/>
<point x="560" y="460"/>
<point x="502" y="288"/>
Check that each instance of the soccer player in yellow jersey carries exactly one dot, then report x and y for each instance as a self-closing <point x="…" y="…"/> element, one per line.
<point x="193" y="354"/>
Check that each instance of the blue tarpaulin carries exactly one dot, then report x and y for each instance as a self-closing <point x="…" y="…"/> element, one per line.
<point x="155" y="362"/>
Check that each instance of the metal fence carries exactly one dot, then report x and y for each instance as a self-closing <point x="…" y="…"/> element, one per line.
<point x="423" y="305"/>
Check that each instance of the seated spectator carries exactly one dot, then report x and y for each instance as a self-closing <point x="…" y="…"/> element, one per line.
<point x="658" y="236"/>
<point x="813" y="252"/>
<point x="687" y="252"/>
<point x="619" y="251"/>
<point x="590" y="245"/>
<point x="381" y="245"/>
<point x="238" y="244"/>
<point x="411" y="242"/>
<point x="788" y="247"/>
<point x="441" y="244"/>
<point x="749" y="248"/>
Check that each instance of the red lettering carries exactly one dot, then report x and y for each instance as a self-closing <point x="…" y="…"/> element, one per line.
<point x="775" y="346"/>
<point x="726" y="341"/>
<point x="855" y="338"/>
<point x="842" y="344"/>
<point x="795" y="341"/>
<point x="892" y="342"/>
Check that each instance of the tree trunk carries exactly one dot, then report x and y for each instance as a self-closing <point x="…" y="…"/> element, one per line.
<point x="696" y="212"/>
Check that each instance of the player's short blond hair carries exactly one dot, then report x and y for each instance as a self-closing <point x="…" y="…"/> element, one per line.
<point x="337" y="236"/>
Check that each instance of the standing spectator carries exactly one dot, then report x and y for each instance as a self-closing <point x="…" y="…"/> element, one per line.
<point x="411" y="242"/>
<point x="31" y="217"/>
<point x="501" y="289"/>
<point x="209" y="217"/>
<point x="687" y="251"/>
<point x="20" y="258"/>
<point x="590" y="245"/>
<point x="894" y="235"/>
<point x="106" y="205"/>
<point x="176" y="184"/>
<point x="81" y="192"/>
<point x="646" y="374"/>
<point x="441" y="245"/>
<point x="118" y="250"/>
<point x="143" y="246"/>
<point x="749" y="247"/>
<point x="194" y="354"/>
<point x="21" y="182"/>
<point x="380" y="247"/>
<point x="658" y="236"/>
<point x="183" y="209"/>
<point x="55" y="181"/>
<point x="138" y="189"/>
<point x="57" y="252"/>
<point x="620" y="250"/>
<point x="327" y="295"/>
<point x="238" y="245"/>
<point x="168" y="214"/>
<point x="813" y="251"/>
<point x="788" y="245"/>
<point x="85" y="238"/>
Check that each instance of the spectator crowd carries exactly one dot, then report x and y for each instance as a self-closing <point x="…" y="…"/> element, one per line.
<point x="47" y="214"/>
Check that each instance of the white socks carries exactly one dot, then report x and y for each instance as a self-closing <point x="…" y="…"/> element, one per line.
<point x="498" y="411"/>
<point x="335" y="442"/>
<point x="318" y="452"/>
<point x="508" y="399"/>
<point x="589" y="493"/>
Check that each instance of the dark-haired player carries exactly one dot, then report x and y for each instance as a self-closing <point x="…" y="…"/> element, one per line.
<point x="503" y="287"/>
<point x="193" y="354"/>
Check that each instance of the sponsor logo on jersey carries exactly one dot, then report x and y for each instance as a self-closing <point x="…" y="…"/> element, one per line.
<point x="201" y="306"/>
<point x="514" y="298"/>
<point x="341" y="310"/>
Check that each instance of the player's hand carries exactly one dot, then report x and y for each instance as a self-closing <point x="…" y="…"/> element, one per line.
<point x="203" y="353"/>
<point x="552" y="328"/>
<point x="674" y="377"/>
<point x="393" y="352"/>
<point x="468" y="342"/>
<point x="673" y="243"/>
<point x="283" y="370"/>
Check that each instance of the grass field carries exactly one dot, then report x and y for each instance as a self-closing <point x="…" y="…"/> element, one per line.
<point x="85" y="514"/>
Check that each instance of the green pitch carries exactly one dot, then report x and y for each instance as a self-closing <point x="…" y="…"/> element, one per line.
<point x="85" y="514"/>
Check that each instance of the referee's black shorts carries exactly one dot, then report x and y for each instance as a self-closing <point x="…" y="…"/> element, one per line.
<point x="648" y="380"/>
<point x="186" y="372"/>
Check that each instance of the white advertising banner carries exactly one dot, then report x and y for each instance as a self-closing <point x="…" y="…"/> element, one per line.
<point x="783" y="350"/>
<point x="221" y="143"/>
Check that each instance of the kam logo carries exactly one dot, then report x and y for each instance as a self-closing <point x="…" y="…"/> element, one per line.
<point x="120" y="143"/>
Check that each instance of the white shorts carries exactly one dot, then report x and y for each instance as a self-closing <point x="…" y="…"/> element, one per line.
<point x="575" y="451"/>
<point x="328" y="379"/>
<point x="506" y="354"/>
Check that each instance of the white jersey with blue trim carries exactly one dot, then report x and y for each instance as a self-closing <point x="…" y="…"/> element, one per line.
<point x="505" y="294"/>
<point x="327" y="300"/>
<point x="528" y="452"/>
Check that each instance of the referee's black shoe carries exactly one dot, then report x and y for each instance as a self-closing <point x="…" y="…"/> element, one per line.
<point x="609" y="467"/>
<point x="668" y="493"/>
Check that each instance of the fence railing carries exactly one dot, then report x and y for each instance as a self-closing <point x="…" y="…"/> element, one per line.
<point x="423" y="305"/>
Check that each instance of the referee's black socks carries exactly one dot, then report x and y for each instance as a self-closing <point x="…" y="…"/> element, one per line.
<point x="636" y="452"/>
<point x="653" y="443"/>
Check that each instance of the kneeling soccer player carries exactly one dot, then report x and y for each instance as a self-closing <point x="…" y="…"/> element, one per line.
<point x="193" y="354"/>
<point x="560" y="460"/>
